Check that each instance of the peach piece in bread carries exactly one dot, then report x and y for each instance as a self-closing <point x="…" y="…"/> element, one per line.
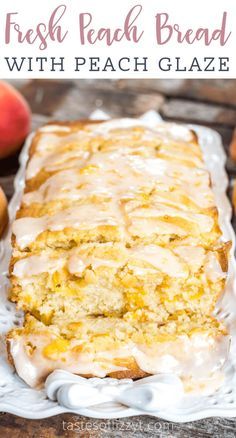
<point x="15" y="119"/>
<point x="3" y="211"/>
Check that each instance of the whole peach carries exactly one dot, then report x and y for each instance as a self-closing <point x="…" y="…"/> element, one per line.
<point x="15" y="119"/>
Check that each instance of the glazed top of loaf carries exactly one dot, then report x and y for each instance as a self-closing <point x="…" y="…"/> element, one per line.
<point x="119" y="165"/>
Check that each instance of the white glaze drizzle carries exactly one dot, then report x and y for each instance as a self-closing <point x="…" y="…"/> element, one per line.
<point x="166" y="131"/>
<point x="49" y="143"/>
<point x="84" y="216"/>
<point x="51" y="162"/>
<point x="174" y="263"/>
<point x="87" y="216"/>
<point x="197" y="356"/>
<point x="123" y="179"/>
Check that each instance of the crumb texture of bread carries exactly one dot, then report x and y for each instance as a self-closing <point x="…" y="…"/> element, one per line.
<point x="117" y="258"/>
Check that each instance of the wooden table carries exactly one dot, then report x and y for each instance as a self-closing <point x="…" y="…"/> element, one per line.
<point x="208" y="102"/>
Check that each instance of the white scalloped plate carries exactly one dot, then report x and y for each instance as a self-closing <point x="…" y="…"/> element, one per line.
<point x="17" y="398"/>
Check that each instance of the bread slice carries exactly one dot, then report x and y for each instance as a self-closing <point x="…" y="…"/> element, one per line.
<point x="143" y="282"/>
<point x="191" y="347"/>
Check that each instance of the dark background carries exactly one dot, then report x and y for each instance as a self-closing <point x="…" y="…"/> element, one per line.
<point x="206" y="102"/>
